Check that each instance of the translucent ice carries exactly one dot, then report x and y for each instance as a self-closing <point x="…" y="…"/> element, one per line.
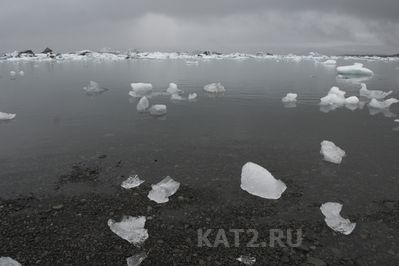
<point x="214" y="88"/>
<point x="353" y="100"/>
<point x="355" y="69"/>
<point x="161" y="191"/>
<point x="373" y="94"/>
<point x="176" y="97"/>
<point x="257" y="181"/>
<point x="132" y="182"/>
<point x="137" y="259"/>
<point x="173" y="89"/>
<point x="7" y="116"/>
<point x="143" y="104"/>
<point x="290" y="97"/>
<point x="247" y="260"/>
<point x="335" y="97"/>
<point x="131" y="229"/>
<point x="13" y="73"/>
<point x="158" y="110"/>
<point x="330" y="62"/>
<point x="94" y="88"/>
<point x="331" y="152"/>
<point x="382" y="104"/>
<point x="333" y="219"/>
<point x="7" y="261"/>
<point x="192" y="96"/>
<point x="140" y="89"/>
<point x="21" y="73"/>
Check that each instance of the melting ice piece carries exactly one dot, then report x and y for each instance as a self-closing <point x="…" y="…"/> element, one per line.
<point x="289" y="98"/>
<point x="94" y="88"/>
<point x="21" y="73"/>
<point x="192" y="96"/>
<point x="257" y="181"/>
<point x="382" y="104"/>
<point x="7" y="116"/>
<point x="7" y="261"/>
<point x="13" y="73"/>
<point x="143" y="104"/>
<point x="247" y="260"/>
<point x="331" y="211"/>
<point x="158" y="110"/>
<point x="353" y="100"/>
<point x="330" y="62"/>
<point x="132" y="182"/>
<point x="373" y="94"/>
<point x="214" y="88"/>
<point x="396" y="120"/>
<point x="173" y="89"/>
<point x="176" y="97"/>
<point x="140" y="89"/>
<point x="161" y="191"/>
<point x="335" y="97"/>
<point x="355" y="69"/>
<point x="137" y="259"/>
<point x="131" y="229"/>
<point x="331" y="152"/>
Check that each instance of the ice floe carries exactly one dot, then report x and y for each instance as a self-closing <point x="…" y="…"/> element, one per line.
<point x="13" y="73"/>
<point x="173" y="89"/>
<point x="352" y="80"/>
<point x="247" y="260"/>
<point x="331" y="152"/>
<point x="132" y="182"/>
<point x="137" y="259"/>
<point x="131" y="229"/>
<point x="140" y="89"/>
<point x="333" y="219"/>
<point x="94" y="88"/>
<point x="7" y="261"/>
<point x="192" y="96"/>
<point x="143" y="104"/>
<point x="214" y="88"/>
<point x="373" y="94"/>
<point x="7" y="116"/>
<point x="382" y="104"/>
<point x="161" y="191"/>
<point x="355" y="69"/>
<point x="158" y="110"/>
<point x="336" y="98"/>
<point x="289" y="98"/>
<point x="257" y="181"/>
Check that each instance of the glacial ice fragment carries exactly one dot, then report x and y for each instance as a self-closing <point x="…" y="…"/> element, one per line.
<point x="137" y="259"/>
<point x="143" y="104"/>
<point x="132" y="182"/>
<point x="192" y="96"/>
<point x="21" y="73"/>
<point x="173" y="89"/>
<point x="355" y="69"/>
<point x="140" y="89"/>
<point x="289" y="98"/>
<point x="382" y="104"/>
<point x="373" y="94"/>
<point x="176" y="97"/>
<point x="247" y="260"/>
<point x="161" y="191"/>
<point x="7" y="261"/>
<point x="13" y="73"/>
<point x="7" y="116"/>
<point x="158" y="110"/>
<point x="214" y="88"/>
<point x="335" y="97"/>
<point x="330" y="62"/>
<point x="257" y="181"/>
<point x="331" y="152"/>
<point x="333" y="219"/>
<point x="94" y="88"/>
<point x="131" y="229"/>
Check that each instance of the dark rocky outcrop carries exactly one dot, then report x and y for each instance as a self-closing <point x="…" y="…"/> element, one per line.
<point x="47" y="51"/>
<point x="26" y="53"/>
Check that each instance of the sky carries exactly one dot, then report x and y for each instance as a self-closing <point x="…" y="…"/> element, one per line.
<point x="275" y="26"/>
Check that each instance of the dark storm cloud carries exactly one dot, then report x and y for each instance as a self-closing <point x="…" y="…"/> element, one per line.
<point x="333" y="26"/>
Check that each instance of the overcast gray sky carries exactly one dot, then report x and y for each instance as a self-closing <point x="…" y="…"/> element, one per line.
<point x="277" y="26"/>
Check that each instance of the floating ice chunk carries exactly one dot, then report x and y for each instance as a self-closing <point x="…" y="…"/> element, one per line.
<point x="143" y="104"/>
<point x="333" y="219"/>
<point x="140" y="89"/>
<point x="161" y="191"/>
<point x="331" y="152"/>
<point x="13" y="73"/>
<point x="330" y="62"/>
<point x="335" y="97"/>
<point x="396" y="120"/>
<point x="355" y="69"/>
<point x="353" y="100"/>
<point x="289" y="98"/>
<point x="21" y="73"/>
<point x="192" y="96"/>
<point x="257" y="181"/>
<point x="132" y="182"/>
<point x="131" y="229"/>
<point x="176" y="97"/>
<point x="173" y="89"/>
<point x="214" y="88"/>
<point x="190" y="62"/>
<point x="382" y="104"/>
<point x="373" y="94"/>
<point x="247" y="260"/>
<point x="7" y="261"/>
<point x="137" y="259"/>
<point x="7" y="116"/>
<point x="337" y="91"/>
<point x="158" y="110"/>
<point x="94" y="88"/>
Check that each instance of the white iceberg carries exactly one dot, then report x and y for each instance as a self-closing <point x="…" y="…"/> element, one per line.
<point x="257" y="181"/>
<point x="214" y="88"/>
<point x="335" y="97"/>
<point x="7" y="261"/>
<point x="382" y="104"/>
<point x="140" y="89"/>
<point x="331" y="152"/>
<point x="333" y="219"/>
<point x="94" y="88"/>
<point x="173" y="89"/>
<point x="192" y="96"/>
<point x="158" y="110"/>
<point x="247" y="260"/>
<point x="132" y="182"/>
<point x="161" y="191"/>
<point x="131" y="229"/>
<point x="137" y="259"/>
<point x="7" y="116"/>
<point x="143" y="104"/>
<point x="373" y="94"/>
<point x="176" y="97"/>
<point x="289" y="98"/>
<point x="330" y="62"/>
<point x="355" y="69"/>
